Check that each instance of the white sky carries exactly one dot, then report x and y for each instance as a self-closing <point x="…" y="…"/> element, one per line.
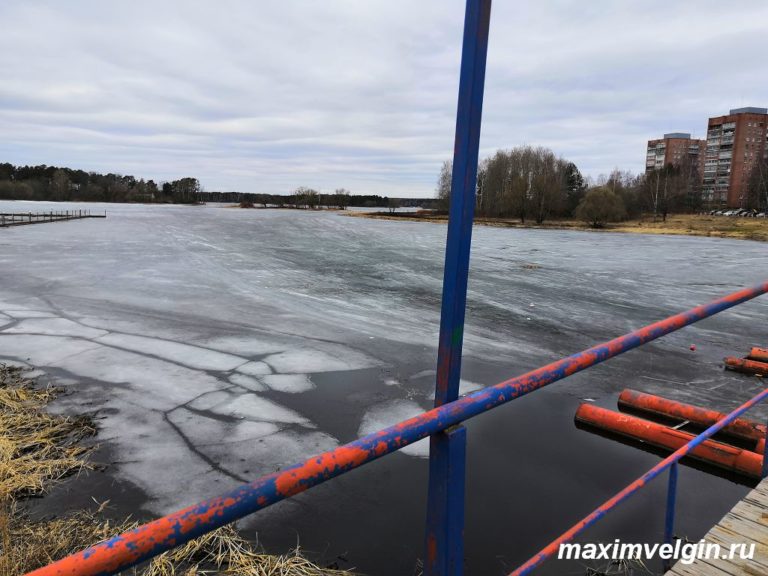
<point x="268" y="95"/>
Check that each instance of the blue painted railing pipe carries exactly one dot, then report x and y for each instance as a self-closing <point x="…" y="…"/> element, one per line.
<point x="170" y="531"/>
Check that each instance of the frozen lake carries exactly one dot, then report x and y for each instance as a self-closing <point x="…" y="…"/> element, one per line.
<point x="222" y="344"/>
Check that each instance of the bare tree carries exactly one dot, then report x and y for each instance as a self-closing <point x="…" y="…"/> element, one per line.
<point x="444" y="185"/>
<point x="757" y="187"/>
<point x="341" y="197"/>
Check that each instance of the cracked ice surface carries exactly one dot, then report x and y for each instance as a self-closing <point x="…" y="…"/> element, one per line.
<point x="184" y="410"/>
<point x="54" y="327"/>
<point x="184" y="354"/>
<point x="181" y="383"/>
<point x="220" y="343"/>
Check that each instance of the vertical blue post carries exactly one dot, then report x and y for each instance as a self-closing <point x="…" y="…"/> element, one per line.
<point x="765" y="451"/>
<point x="669" y="521"/>
<point x="444" y="541"/>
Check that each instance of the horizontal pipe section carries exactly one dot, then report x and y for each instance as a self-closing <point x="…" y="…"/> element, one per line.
<point x="658" y="406"/>
<point x="746" y="366"/>
<point x="716" y="453"/>
<point x="634" y="487"/>
<point x="759" y="354"/>
<point x="169" y="531"/>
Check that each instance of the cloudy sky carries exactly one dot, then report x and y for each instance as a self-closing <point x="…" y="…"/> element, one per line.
<point x="268" y="95"/>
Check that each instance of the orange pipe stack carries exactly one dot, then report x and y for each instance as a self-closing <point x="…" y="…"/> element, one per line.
<point x="746" y="366"/>
<point x="759" y="354"/>
<point x="715" y="453"/>
<point x="741" y="428"/>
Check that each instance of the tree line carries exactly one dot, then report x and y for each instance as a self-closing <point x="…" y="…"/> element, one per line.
<point x="51" y="183"/>
<point x="56" y="184"/>
<point x="532" y="183"/>
<point x="308" y="198"/>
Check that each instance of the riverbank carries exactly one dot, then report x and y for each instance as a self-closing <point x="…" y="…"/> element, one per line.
<point x="38" y="450"/>
<point x="678" y="224"/>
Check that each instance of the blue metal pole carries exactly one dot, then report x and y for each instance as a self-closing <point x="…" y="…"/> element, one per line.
<point x="765" y="451"/>
<point x="444" y="547"/>
<point x="444" y="552"/>
<point x="669" y="521"/>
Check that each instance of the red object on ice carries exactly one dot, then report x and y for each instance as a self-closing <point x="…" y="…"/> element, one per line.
<point x="693" y="347"/>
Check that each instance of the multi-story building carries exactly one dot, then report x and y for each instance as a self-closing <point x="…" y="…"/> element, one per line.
<point x="735" y="144"/>
<point x="673" y="149"/>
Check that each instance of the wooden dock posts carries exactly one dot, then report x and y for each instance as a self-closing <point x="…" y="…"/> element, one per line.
<point x="25" y="218"/>
<point x="744" y="526"/>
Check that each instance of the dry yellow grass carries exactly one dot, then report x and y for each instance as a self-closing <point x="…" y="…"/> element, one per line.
<point x="31" y="545"/>
<point x="35" y="447"/>
<point x="38" y="448"/>
<point x="699" y="225"/>
<point x="678" y="224"/>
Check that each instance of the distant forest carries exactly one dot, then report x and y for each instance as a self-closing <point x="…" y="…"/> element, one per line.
<point x="51" y="183"/>
<point x="65" y="184"/>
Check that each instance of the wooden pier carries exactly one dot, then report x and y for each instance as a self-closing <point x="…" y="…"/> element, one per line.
<point x="25" y="218"/>
<point x="746" y="523"/>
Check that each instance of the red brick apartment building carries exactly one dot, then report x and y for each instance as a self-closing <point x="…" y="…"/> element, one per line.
<point x="735" y="144"/>
<point x="673" y="149"/>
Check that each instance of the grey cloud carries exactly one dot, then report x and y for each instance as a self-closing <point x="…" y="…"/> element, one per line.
<point x="268" y="95"/>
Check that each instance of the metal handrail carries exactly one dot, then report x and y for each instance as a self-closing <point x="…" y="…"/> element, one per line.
<point x="155" y="537"/>
<point x="670" y="462"/>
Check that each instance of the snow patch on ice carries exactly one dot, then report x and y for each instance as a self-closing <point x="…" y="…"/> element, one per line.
<point x="156" y="458"/>
<point x="157" y="384"/>
<point x="247" y="382"/>
<point x="467" y="387"/>
<point x="192" y="356"/>
<point x="270" y="453"/>
<point x="242" y="345"/>
<point x="389" y="413"/>
<point x="29" y="314"/>
<point x="54" y="327"/>
<point x="42" y="350"/>
<point x="255" y="369"/>
<point x="290" y="383"/>
<point x="248" y="406"/>
<point x="203" y="431"/>
<point x="309" y="360"/>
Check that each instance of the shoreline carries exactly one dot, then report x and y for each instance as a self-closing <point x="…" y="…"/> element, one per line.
<point x="755" y="229"/>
